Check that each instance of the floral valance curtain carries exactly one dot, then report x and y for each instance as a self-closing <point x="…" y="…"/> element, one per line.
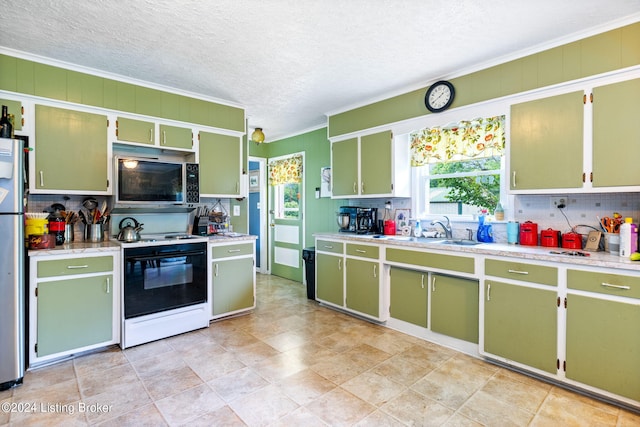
<point x="478" y="138"/>
<point x="285" y="171"/>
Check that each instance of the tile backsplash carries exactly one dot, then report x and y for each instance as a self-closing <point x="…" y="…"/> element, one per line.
<point x="581" y="212"/>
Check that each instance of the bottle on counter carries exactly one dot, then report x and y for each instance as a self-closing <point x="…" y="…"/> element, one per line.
<point x="498" y="213"/>
<point x="628" y="238"/>
<point x="57" y="224"/>
<point x="6" y="128"/>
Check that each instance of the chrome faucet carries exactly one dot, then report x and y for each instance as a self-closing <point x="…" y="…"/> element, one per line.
<point x="448" y="232"/>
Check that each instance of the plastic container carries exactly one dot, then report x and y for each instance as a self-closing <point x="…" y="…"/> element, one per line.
<point x="628" y="238"/>
<point x="485" y="231"/>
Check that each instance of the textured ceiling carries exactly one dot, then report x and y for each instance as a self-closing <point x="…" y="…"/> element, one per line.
<point x="289" y="62"/>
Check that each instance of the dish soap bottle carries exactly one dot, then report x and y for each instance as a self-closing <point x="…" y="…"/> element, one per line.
<point x="485" y="231"/>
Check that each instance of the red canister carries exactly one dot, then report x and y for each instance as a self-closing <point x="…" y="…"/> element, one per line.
<point x="550" y="238"/>
<point x="572" y="241"/>
<point x="390" y="227"/>
<point x="529" y="233"/>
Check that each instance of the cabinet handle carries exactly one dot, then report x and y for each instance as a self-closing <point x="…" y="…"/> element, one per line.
<point x="150" y="134"/>
<point x="488" y="291"/>
<point x="238" y="187"/>
<point x="433" y="284"/>
<point x="355" y="190"/>
<point x="422" y="280"/>
<point x="375" y="270"/>
<point x="328" y="247"/>
<point x="340" y="264"/>
<point x="74" y="267"/>
<point x="513" y="179"/>
<point x="609" y="285"/>
<point x="108" y="285"/>
<point x="362" y="186"/>
<point x="164" y="137"/>
<point x="360" y="251"/>
<point x="41" y="178"/>
<point x="233" y="250"/>
<point x="518" y="272"/>
<point x="215" y="273"/>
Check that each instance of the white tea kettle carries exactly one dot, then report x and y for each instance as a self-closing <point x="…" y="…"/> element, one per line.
<point x="129" y="233"/>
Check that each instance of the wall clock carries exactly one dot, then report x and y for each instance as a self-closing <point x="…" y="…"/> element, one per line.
<point x="439" y="96"/>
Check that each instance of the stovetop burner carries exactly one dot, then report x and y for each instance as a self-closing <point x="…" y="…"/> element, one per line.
<point x="163" y="239"/>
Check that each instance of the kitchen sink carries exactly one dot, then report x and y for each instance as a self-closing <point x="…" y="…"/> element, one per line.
<point x="461" y="242"/>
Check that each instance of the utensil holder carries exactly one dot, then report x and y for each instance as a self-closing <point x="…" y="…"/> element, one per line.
<point x="93" y="233"/>
<point x="68" y="233"/>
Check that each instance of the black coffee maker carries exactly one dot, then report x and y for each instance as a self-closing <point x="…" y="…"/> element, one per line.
<point x="354" y="219"/>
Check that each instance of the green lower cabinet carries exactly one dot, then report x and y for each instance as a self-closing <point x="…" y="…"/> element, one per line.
<point x="329" y="278"/>
<point x="409" y="295"/>
<point x="455" y="307"/>
<point x="74" y="313"/>
<point x="363" y="286"/>
<point x="233" y="287"/>
<point x="603" y="345"/>
<point x="520" y="324"/>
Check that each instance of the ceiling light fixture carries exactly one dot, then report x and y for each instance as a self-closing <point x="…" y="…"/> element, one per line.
<point x="257" y="136"/>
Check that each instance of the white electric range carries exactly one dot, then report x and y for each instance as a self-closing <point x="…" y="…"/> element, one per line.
<point x="165" y="282"/>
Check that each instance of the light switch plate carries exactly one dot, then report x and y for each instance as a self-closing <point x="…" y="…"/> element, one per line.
<point x="236" y="210"/>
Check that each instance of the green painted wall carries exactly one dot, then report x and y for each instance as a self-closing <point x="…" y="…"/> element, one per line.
<point x="319" y="214"/>
<point x="609" y="51"/>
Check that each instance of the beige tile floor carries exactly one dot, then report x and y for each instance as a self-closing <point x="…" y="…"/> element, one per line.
<point x="293" y="363"/>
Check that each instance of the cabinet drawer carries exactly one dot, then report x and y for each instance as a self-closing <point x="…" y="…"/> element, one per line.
<point x="604" y="283"/>
<point x="363" y="251"/>
<point x="227" y="251"/>
<point x="327" y="246"/>
<point x="522" y="271"/>
<point x="434" y="260"/>
<point x="73" y="266"/>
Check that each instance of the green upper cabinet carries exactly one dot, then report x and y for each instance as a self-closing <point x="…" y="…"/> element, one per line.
<point x="375" y="164"/>
<point x="547" y="143"/>
<point x="15" y="108"/>
<point x="616" y="134"/>
<point x="220" y="158"/>
<point x="70" y="151"/>
<point x="175" y="137"/>
<point x="344" y="168"/>
<point x="135" y="131"/>
<point x="371" y="165"/>
<point x="455" y="307"/>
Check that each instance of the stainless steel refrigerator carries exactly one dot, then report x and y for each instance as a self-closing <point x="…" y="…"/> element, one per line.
<point x="12" y="263"/>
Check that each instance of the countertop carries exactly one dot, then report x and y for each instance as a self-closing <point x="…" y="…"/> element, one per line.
<point x="113" y="245"/>
<point x="594" y="259"/>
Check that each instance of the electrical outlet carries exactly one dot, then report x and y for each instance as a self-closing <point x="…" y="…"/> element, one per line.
<point x="559" y="202"/>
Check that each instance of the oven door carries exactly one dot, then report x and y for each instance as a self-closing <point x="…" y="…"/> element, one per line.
<point x="160" y="278"/>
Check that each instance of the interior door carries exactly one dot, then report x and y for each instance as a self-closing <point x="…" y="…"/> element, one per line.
<point x="286" y="207"/>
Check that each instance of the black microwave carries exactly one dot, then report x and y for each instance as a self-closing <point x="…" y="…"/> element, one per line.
<point x="150" y="181"/>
